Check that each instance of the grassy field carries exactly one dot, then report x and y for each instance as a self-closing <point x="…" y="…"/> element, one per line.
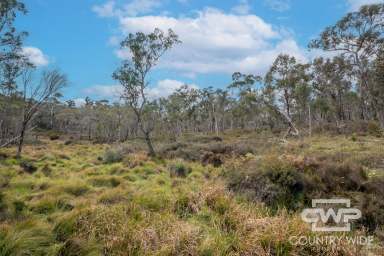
<point x="200" y="198"/>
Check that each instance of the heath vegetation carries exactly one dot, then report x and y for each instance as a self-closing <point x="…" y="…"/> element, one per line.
<point x="203" y="171"/>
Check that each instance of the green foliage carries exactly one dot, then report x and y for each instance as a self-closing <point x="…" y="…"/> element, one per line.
<point x="112" y="156"/>
<point x="179" y="169"/>
<point x="374" y="129"/>
<point x="27" y="238"/>
<point x="278" y="183"/>
<point x="28" y="166"/>
<point x="105" y="181"/>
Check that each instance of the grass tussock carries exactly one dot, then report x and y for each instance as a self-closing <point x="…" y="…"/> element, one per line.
<point x="230" y="195"/>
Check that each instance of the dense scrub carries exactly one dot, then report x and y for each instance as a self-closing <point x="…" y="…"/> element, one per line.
<point x="94" y="199"/>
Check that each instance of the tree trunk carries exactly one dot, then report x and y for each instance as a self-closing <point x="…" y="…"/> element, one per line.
<point x="21" y="141"/>
<point x="151" y="150"/>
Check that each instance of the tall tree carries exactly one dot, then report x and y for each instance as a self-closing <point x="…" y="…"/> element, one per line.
<point x="284" y="78"/>
<point x="11" y="57"/>
<point x="145" y="50"/>
<point x="358" y="37"/>
<point x="331" y="80"/>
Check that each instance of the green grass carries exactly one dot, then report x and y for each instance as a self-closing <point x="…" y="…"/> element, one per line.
<point x="134" y="205"/>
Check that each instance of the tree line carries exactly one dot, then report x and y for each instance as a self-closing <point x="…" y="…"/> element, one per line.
<point x="328" y="92"/>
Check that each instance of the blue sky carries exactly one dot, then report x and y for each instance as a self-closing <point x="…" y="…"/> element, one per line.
<point x="219" y="37"/>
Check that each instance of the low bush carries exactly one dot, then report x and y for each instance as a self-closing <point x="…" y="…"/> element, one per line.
<point x="374" y="129"/>
<point x="211" y="158"/>
<point x="179" y="169"/>
<point x="292" y="184"/>
<point x="28" y="166"/>
<point x="186" y="205"/>
<point x="112" y="156"/>
<point x="46" y="170"/>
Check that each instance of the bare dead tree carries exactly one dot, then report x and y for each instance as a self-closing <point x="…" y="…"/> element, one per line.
<point x="35" y="96"/>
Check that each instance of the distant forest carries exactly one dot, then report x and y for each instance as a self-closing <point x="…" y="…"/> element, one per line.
<point x="344" y="93"/>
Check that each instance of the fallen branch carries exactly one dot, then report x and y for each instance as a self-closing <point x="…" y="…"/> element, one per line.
<point x="15" y="139"/>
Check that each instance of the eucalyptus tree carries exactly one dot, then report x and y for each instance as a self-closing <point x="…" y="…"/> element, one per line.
<point x="331" y="81"/>
<point x="357" y="37"/>
<point x="12" y="62"/>
<point x="11" y="57"/>
<point x="246" y="103"/>
<point x="283" y="77"/>
<point x="145" y="51"/>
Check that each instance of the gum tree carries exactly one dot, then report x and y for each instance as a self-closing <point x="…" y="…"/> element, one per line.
<point x="145" y="51"/>
<point x="357" y="37"/>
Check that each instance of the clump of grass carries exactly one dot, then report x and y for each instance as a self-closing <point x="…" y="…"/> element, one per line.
<point x="28" y="166"/>
<point x="26" y="238"/>
<point x="112" y="156"/>
<point x="50" y="204"/>
<point x="79" y="246"/>
<point x="105" y="181"/>
<point x="179" y="169"/>
<point x="154" y="199"/>
<point x="46" y="170"/>
<point x="374" y="129"/>
<point x="74" y="188"/>
<point x="65" y="227"/>
<point x="3" y="206"/>
<point x="113" y="197"/>
<point x="186" y="205"/>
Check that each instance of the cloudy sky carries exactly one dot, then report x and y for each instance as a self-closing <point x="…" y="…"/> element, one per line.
<point x="219" y="37"/>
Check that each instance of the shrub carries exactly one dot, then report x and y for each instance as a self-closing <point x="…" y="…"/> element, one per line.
<point x="211" y="158"/>
<point x="372" y="212"/>
<point x="68" y="142"/>
<point x="19" y="207"/>
<point x="276" y="186"/>
<point x="3" y="156"/>
<point x="28" y="166"/>
<point x="373" y="128"/>
<point x="112" y="156"/>
<point x="46" y="170"/>
<point x="179" y="169"/>
<point x="292" y="184"/>
<point x="185" y="206"/>
<point x="54" y="137"/>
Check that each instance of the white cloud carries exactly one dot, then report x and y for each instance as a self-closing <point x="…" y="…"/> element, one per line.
<point x="35" y="56"/>
<point x="104" y="91"/>
<point x="354" y="5"/>
<point x="79" y="102"/>
<point x="279" y="5"/>
<point x="166" y="87"/>
<point x="217" y="42"/>
<point x="162" y="89"/>
<point x="133" y="8"/>
<point x="105" y="10"/>
<point x="136" y="7"/>
<point x="242" y="8"/>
